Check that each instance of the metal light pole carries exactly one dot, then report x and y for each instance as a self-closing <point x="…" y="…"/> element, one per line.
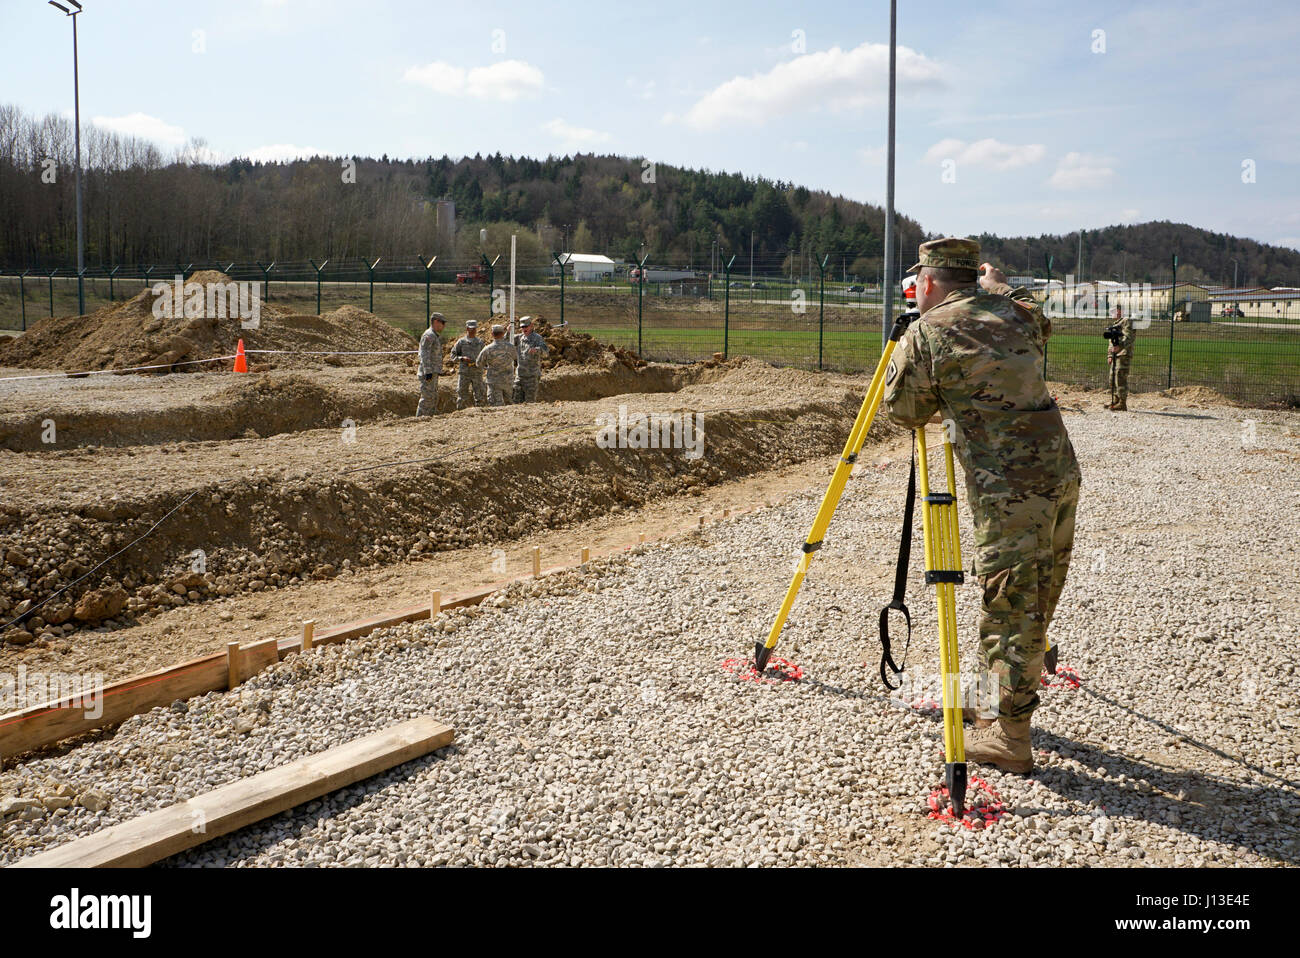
<point x="1234" y="273"/>
<point x="76" y="114"/>
<point x="887" y="317"/>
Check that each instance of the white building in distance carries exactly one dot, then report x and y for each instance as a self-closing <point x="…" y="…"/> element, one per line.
<point x="588" y="267"/>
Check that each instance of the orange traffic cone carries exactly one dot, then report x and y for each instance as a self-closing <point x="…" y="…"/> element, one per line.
<point x="241" y="361"/>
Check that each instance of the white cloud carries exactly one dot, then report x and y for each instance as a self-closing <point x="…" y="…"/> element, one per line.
<point x="574" y="137"/>
<point x="645" y="89"/>
<point x="1082" y="171"/>
<point x="1128" y="216"/>
<point x="834" y="78"/>
<point x="1291" y="241"/>
<point x="283" y="152"/>
<point x="505" y="81"/>
<point x="143" y="126"/>
<point x="989" y="152"/>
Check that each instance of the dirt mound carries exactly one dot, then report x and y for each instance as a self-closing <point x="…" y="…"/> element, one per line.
<point x="581" y="349"/>
<point x="1197" y="395"/>
<point x="130" y="334"/>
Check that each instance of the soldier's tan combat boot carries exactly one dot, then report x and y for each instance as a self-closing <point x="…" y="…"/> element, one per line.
<point x="972" y="716"/>
<point x="1004" y="744"/>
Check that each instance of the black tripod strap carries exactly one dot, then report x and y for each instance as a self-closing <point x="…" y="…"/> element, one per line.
<point x="900" y="584"/>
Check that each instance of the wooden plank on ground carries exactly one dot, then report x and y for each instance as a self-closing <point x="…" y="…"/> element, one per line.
<point x="45" y="724"/>
<point x="155" y="836"/>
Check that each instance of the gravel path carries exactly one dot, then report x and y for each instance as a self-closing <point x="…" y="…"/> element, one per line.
<point x="595" y="724"/>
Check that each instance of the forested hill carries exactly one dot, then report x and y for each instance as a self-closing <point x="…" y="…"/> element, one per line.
<point x="144" y="207"/>
<point x="1143" y="253"/>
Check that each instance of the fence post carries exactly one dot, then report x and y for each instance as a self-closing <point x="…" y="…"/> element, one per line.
<point x="22" y="295"/>
<point x="318" y="272"/>
<point x="51" y="278"/>
<point x="110" y="282"/>
<point x="492" y="272"/>
<point x="726" y="311"/>
<point x="370" y="268"/>
<point x="821" y="307"/>
<point x="640" y="289"/>
<point x="266" y="277"/>
<point x="1173" y="295"/>
<point x="558" y="262"/>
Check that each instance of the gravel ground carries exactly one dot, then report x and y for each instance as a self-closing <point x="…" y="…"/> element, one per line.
<point x="596" y="724"/>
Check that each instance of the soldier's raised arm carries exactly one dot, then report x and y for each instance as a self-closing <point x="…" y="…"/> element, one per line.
<point x="993" y="280"/>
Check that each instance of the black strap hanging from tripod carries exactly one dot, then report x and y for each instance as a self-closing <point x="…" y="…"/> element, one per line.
<point x="900" y="586"/>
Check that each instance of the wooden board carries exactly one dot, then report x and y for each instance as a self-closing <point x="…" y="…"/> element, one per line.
<point x="46" y="724"/>
<point x="155" y="836"/>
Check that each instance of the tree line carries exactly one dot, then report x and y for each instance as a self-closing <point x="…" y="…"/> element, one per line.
<point x="142" y="206"/>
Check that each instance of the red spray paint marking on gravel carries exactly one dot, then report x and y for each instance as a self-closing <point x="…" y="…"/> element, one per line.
<point x="985" y="810"/>
<point x="1065" y="678"/>
<point x="778" y="670"/>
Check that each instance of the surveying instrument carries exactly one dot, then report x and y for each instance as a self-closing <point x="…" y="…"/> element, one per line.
<point x="943" y="567"/>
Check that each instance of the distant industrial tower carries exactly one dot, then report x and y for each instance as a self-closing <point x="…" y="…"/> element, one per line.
<point x="446" y="225"/>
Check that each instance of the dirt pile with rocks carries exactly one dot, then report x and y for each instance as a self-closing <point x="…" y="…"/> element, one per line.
<point x="572" y="348"/>
<point x="130" y="334"/>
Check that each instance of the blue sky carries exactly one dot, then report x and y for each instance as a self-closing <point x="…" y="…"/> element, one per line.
<point x="1046" y="117"/>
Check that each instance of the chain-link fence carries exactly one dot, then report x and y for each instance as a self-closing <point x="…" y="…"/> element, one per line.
<point x="1244" y="344"/>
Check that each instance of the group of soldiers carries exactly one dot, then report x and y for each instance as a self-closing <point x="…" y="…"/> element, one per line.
<point x="506" y="370"/>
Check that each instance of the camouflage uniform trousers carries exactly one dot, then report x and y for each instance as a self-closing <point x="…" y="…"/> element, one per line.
<point x="528" y="384"/>
<point x="1119" y="379"/>
<point x="428" y="397"/>
<point x="1020" y="598"/>
<point x="468" y="381"/>
<point x="498" y="392"/>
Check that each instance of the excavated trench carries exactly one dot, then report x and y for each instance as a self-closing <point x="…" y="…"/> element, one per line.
<point x="113" y="412"/>
<point x="256" y="515"/>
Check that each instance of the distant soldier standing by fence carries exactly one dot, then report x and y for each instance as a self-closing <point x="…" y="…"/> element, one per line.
<point x="1120" y="356"/>
<point x="430" y="365"/>
<point x="469" y="378"/>
<point x="498" y="360"/>
<point x="532" y="350"/>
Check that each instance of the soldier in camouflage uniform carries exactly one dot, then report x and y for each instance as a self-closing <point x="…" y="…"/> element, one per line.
<point x="1120" y="356"/>
<point x="498" y="358"/>
<point x="430" y="365"/>
<point x="469" y="378"/>
<point x="977" y="359"/>
<point x="532" y="350"/>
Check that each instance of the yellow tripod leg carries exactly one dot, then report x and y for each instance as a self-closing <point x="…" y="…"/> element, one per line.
<point x="857" y="436"/>
<point x="943" y="570"/>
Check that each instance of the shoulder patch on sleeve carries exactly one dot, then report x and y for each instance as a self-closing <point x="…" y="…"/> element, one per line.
<point x="891" y="373"/>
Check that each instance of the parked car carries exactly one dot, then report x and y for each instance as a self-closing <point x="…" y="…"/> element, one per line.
<point x="1234" y="311"/>
<point x="857" y="288"/>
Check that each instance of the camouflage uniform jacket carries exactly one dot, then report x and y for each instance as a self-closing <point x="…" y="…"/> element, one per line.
<point x="1124" y="345"/>
<point x="430" y="354"/>
<point x="978" y="358"/>
<point x="499" y="359"/>
<point x="469" y="347"/>
<point x="531" y="365"/>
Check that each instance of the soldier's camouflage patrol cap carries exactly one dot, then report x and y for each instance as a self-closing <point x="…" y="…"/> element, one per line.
<point x="437" y="318"/>
<point x="949" y="252"/>
<point x="498" y="328"/>
<point x="471" y="324"/>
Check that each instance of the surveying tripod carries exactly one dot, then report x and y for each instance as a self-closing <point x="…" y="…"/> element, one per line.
<point x="943" y="566"/>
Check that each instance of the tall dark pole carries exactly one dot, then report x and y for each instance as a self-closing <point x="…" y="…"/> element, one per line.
<point x="76" y="120"/>
<point x="888" y="315"/>
<point x="1173" y="293"/>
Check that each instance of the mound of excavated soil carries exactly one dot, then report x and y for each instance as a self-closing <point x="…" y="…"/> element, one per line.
<point x="129" y="334"/>
<point x="1197" y="395"/>
<point x="580" y="349"/>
